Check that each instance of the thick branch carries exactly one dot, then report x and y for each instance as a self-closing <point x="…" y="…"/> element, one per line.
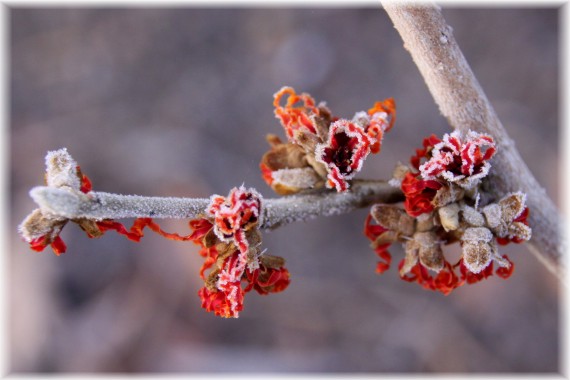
<point x="276" y="212"/>
<point x="462" y="101"/>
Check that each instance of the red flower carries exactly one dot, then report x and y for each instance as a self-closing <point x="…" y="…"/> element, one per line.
<point x="234" y="215"/>
<point x="294" y="117"/>
<point x="268" y="280"/>
<point x="226" y="299"/>
<point x="217" y="302"/>
<point x="344" y="152"/>
<point x="419" y="194"/>
<point x="445" y="281"/>
<point x="382" y="118"/>
<point x="463" y="162"/>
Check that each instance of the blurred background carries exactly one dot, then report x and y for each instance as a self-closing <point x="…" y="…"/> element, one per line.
<point x="177" y="102"/>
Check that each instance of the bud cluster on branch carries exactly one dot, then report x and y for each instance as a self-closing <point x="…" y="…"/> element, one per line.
<point x="443" y="192"/>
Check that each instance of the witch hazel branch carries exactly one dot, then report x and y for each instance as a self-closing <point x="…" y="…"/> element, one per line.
<point x="440" y="198"/>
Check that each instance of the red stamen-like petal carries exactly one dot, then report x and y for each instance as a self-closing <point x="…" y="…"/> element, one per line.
<point x="445" y="281"/>
<point x="372" y="231"/>
<point x="216" y="302"/>
<point x="419" y="194"/>
<point x="278" y="279"/>
<point x="382" y="118"/>
<point x="200" y="227"/>
<point x="428" y="144"/>
<point x="58" y="246"/>
<point x="266" y="174"/>
<point x="85" y="182"/>
<point x="506" y="272"/>
<point x="39" y="244"/>
<point x="292" y="116"/>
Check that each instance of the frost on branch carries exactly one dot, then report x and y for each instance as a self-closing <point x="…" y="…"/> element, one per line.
<point x="443" y="205"/>
<point x="322" y="150"/>
<point x="40" y="228"/>
<point x="227" y="231"/>
<point x="43" y="226"/>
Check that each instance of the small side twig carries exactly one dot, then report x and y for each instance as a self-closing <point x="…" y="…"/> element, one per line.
<point x="276" y="212"/>
<point x="462" y="101"/>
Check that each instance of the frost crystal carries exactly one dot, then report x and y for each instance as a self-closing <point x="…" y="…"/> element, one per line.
<point x="481" y="234"/>
<point x="361" y="118"/>
<point x="493" y="215"/>
<point x="61" y="170"/>
<point x="472" y="216"/>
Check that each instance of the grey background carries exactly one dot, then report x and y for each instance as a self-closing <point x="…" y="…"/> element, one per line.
<point x="177" y="102"/>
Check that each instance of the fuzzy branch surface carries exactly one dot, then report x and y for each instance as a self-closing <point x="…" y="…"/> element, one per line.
<point x="275" y="212"/>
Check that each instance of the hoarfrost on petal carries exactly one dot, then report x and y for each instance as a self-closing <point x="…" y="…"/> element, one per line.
<point x="492" y="214"/>
<point x="61" y="170"/>
<point x="472" y="216"/>
<point x="477" y="234"/>
<point x="476" y="255"/>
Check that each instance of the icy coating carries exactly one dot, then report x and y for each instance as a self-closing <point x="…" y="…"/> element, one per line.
<point x="61" y="169"/>
<point x="100" y="205"/>
<point x="463" y="161"/>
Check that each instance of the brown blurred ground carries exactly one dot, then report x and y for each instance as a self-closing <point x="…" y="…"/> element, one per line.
<point x="177" y="102"/>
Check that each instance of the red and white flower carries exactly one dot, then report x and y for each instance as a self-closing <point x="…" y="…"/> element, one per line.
<point x="344" y="152"/>
<point x="462" y="162"/>
<point x="235" y="214"/>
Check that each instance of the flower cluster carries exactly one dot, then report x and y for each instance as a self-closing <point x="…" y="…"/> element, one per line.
<point x="322" y="150"/>
<point x="228" y="234"/>
<point x="443" y="205"/>
<point x="230" y="242"/>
